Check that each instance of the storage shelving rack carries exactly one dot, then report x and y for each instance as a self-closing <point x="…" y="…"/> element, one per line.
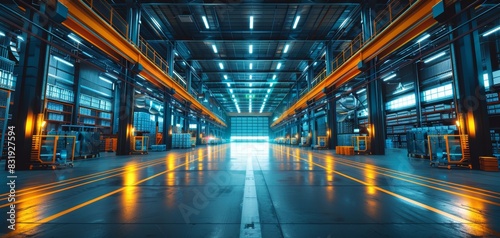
<point x="95" y="112"/>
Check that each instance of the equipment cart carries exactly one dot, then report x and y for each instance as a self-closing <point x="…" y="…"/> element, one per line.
<point x="448" y="150"/>
<point x="139" y="145"/>
<point x="52" y="151"/>
<point x="361" y="144"/>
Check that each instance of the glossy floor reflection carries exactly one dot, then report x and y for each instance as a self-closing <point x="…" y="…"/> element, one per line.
<point x="209" y="191"/>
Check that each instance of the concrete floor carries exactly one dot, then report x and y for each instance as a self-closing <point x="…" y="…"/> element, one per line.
<point x="255" y="190"/>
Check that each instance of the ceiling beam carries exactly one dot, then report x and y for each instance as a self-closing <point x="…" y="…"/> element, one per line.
<point x="256" y="59"/>
<point x="240" y="4"/>
<point x="252" y="72"/>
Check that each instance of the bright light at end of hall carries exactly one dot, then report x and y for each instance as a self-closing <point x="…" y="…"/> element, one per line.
<point x="251" y="22"/>
<point x="214" y="48"/>
<point x="205" y="21"/>
<point x="296" y="22"/>
<point x="279" y="66"/>
<point x="221" y="66"/>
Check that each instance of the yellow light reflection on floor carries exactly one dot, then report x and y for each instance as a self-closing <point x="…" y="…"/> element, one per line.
<point x="129" y="198"/>
<point x="370" y="178"/>
<point x="330" y="165"/>
<point x="29" y="211"/>
<point x="310" y="160"/>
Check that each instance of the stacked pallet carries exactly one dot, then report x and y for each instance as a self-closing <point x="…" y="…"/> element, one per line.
<point x="488" y="163"/>
<point x="344" y="150"/>
<point x="181" y="140"/>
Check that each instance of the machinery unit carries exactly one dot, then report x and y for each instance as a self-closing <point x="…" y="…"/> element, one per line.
<point x="139" y="145"/>
<point x="361" y="144"/>
<point x="448" y="150"/>
<point x="52" y="151"/>
<point x="88" y="140"/>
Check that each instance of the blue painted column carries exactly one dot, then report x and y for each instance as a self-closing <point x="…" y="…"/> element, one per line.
<point x="467" y="70"/>
<point x="31" y="71"/>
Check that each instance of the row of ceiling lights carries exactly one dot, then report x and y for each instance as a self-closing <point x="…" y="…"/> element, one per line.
<point x="207" y="26"/>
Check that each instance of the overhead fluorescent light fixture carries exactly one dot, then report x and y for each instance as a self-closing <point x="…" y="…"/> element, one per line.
<point x="344" y="23"/>
<point x="225" y="76"/>
<point x="250" y="49"/>
<point x="74" y="38"/>
<point x="361" y="90"/>
<point x="232" y="95"/>
<point x="286" y="48"/>
<point x="269" y="90"/>
<point x="105" y="80"/>
<point x="228" y="85"/>
<point x="214" y="48"/>
<point x="251" y="22"/>
<point x="205" y="21"/>
<point x="266" y="94"/>
<point x="279" y="66"/>
<point x="250" y="84"/>
<point x="423" y="38"/>
<point x="389" y="77"/>
<point x="231" y="90"/>
<point x="315" y="63"/>
<point x="63" y="61"/>
<point x="2" y="33"/>
<point x="251" y="65"/>
<point x="492" y="31"/>
<point x="156" y="23"/>
<point x="434" y="57"/>
<point x="111" y="75"/>
<point x="251" y="76"/>
<point x="140" y="84"/>
<point x="141" y="77"/>
<point x="151" y="90"/>
<point x="265" y="99"/>
<point x="137" y="92"/>
<point x="221" y="66"/>
<point x="274" y="77"/>
<point x="297" y="18"/>
<point x="271" y="85"/>
<point x="20" y="38"/>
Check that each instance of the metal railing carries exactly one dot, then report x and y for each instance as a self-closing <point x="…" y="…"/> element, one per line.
<point x="109" y="14"/>
<point x="381" y="21"/>
<point x="152" y="55"/>
<point x="106" y="11"/>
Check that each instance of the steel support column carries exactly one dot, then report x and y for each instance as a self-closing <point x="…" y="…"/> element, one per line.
<point x="467" y="69"/>
<point x="376" y="117"/>
<point x="332" y="123"/>
<point x="76" y="90"/>
<point x="167" y="119"/>
<point x="31" y="71"/>
<point x="126" y="112"/>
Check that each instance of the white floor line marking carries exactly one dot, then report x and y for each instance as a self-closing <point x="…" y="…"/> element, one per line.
<point x="250" y="220"/>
